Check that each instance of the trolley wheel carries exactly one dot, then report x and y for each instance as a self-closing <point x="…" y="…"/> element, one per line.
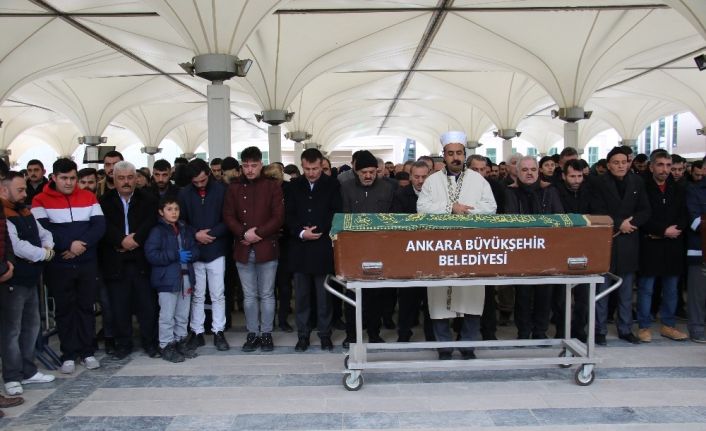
<point x="583" y="379"/>
<point x="563" y="354"/>
<point x="345" y="361"/>
<point x="352" y="384"/>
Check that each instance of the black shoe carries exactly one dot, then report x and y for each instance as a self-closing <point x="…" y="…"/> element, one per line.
<point x="347" y="342"/>
<point x="109" y="345"/>
<point x="630" y="338"/>
<point x="326" y="344"/>
<point x="600" y="340"/>
<point x="302" y="344"/>
<point x="404" y="339"/>
<point x="194" y="341"/>
<point x="171" y="354"/>
<point x="504" y="318"/>
<point x="152" y="351"/>
<point x="251" y="343"/>
<point x="468" y="354"/>
<point x="389" y="323"/>
<point x="184" y="350"/>
<point x="375" y="338"/>
<point x="219" y="340"/>
<point x="445" y="356"/>
<point x="286" y="327"/>
<point x="267" y="345"/>
<point x="121" y="353"/>
<point x="338" y="324"/>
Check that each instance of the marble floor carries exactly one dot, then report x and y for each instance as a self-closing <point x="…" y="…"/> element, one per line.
<point x="657" y="386"/>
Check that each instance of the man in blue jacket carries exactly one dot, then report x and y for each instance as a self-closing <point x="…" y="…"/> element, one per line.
<point x="201" y="204"/>
<point x="76" y="223"/>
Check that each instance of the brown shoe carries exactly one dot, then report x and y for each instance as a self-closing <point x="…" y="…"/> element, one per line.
<point x="672" y="333"/>
<point x="645" y="335"/>
<point x="6" y="402"/>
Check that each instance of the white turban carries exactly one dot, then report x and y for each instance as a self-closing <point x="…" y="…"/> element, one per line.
<point x="453" y="137"/>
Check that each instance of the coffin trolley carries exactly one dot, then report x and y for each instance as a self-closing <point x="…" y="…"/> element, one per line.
<point x="374" y="251"/>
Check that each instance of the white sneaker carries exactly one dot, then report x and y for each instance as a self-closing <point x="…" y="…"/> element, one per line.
<point x="91" y="363"/>
<point x="68" y="367"/>
<point x="39" y="378"/>
<point x="13" y="388"/>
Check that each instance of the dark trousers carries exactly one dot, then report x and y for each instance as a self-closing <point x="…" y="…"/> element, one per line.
<point x="106" y="309"/>
<point x="19" y="329"/>
<point x="412" y="300"/>
<point x="579" y="319"/>
<point x="532" y="307"/>
<point x="470" y="331"/>
<point x="558" y="305"/>
<point x="389" y="302"/>
<point x="305" y="287"/>
<point x="372" y="312"/>
<point x="489" y="319"/>
<point x="74" y="290"/>
<point x="133" y="290"/>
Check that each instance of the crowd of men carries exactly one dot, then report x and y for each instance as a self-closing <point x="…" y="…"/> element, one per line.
<point x="159" y="245"/>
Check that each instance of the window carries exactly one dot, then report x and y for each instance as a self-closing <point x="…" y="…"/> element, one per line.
<point x="661" y="134"/>
<point x="675" y="127"/>
<point x="592" y="155"/>
<point x="648" y="139"/>
<point x="491" y="153"/>
<point x="531" y="151"/>
<point x="514" y="150"/>
<point x="553" y="150"/>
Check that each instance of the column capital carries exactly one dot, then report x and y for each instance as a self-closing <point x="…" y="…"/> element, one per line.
<point x="188" y="156"/>
<point x="571" y="114"/>
<point x="150" y="150"/>
<point x="92" y="141"/>
<point x="507" y="134"/>
<point x="274" y="117"/>
<point x="298" y="135"/>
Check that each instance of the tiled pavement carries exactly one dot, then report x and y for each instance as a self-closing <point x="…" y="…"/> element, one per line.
<point x="660" y="386"/>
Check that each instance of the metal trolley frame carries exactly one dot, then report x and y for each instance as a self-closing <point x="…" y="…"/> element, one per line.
<point x="573" y="351"/>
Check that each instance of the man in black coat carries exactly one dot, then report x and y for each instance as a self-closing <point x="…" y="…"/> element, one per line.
<point x="162" y="186"/>
<point x="130" y="214"/>
<point x="661" y="247"/>
<point x="532" y="303"/>
<point x="620" y="195"/>
<point x="575" y="195"/>
<point x="310" y="203"/>
<point x="412" y="299"/>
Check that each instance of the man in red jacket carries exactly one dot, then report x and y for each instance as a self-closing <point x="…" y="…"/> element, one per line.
<point x="254" y="212"/>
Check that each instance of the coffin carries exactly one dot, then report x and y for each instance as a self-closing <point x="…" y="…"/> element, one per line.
<point x="436" y="246"/>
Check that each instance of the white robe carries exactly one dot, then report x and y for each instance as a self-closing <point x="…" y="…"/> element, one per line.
<point x="445" y="303"/>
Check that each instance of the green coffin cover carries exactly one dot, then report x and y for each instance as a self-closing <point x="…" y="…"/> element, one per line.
<point x="366" y="222"/>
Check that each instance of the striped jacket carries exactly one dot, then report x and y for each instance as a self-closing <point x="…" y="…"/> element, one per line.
<point x="69" y="218"/>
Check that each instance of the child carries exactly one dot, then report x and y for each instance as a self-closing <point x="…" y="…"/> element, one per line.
<point x="171" y="249"/>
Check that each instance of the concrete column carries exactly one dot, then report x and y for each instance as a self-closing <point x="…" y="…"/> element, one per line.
<point x="507" y="149"/>
<point x="150" y="151"/>
<point x="571" y="135"/>
<point x="218" y="120"/>
<point x="92" y="152"/>
<point x="298" y="150"/>
<point x="274" y="137"/>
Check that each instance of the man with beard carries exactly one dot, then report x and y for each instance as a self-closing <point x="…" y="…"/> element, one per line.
<point x="35" y="179"/>
<point x="109" y="160"/>
<point x="88" y="179"/>
<point x="532" y="303"/>
<point x="661" y="248"/>
<point x="456" y="190"/>
<point x="366" y="193"/>
<point x="575" y="195"/>
<point x="162" y="186"/>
